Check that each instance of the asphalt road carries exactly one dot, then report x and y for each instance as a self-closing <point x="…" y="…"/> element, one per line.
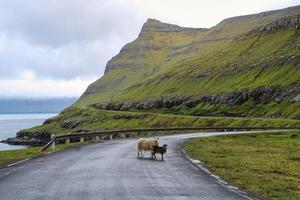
<point x="111" y="170"/>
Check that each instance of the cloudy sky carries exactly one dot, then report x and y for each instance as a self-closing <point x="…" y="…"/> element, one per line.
<point x="56" y="48"/>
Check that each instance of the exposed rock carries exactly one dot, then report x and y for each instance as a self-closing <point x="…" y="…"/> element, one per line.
<point x="146" y="104"/>
<point x="70" y="123"/>
<point x="203" y="74"/>
<point x="33" y="141"/>
<point x="260" y="95"/>
<point x="133" y="65"/>
<point x="48" y="121"/>
<point x="81" y="131"/>
<point x="297" y="98"/>
<point x="73" y="123"/>
<point x="262" y="66"/>
<point x="289" y="22"/>
<point x="127" y="105"/>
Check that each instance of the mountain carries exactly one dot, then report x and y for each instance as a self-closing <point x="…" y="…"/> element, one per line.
<point x="245" y="66"/>
<point x="21" y="106"/>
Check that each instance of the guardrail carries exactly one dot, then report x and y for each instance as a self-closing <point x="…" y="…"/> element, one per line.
<point x="122" y="133"/>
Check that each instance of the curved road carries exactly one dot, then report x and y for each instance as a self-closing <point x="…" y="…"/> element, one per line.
<point x="110" y="170"/>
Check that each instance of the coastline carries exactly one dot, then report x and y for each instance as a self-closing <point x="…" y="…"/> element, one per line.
<point x="12" y="123"/>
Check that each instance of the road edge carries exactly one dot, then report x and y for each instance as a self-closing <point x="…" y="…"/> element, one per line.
<point x="23" y="161"/>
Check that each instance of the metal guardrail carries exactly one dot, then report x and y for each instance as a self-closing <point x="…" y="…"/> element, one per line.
<point x="111" y="133"/>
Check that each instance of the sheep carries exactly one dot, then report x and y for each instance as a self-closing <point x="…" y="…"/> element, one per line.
<point x="144" y="144"/>
<point x="159" y="149"/>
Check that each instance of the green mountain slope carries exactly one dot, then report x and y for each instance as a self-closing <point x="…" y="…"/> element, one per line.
<point x="246" y="66"/>
<point x="249" y="56"/>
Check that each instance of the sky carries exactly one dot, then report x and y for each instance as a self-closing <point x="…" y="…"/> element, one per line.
<point x="56" y="48"/>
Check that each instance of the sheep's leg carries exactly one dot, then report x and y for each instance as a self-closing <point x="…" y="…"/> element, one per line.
<point x="138" y="153"/>
<point x="153" y="156"/>
<point x="162" y="156"/>
<point x="142" y="153"/>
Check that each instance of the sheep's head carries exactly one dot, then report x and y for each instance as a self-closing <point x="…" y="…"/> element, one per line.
<point x="165" y="146"/>
<point x="156" y="142"/>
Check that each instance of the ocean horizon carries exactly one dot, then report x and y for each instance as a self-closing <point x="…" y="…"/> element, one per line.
<point x="10" y="124"/>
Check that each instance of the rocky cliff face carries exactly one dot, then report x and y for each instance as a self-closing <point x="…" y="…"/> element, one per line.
<point x="262" y="95"/>
<point x="136" y="52"/>
<point x="153" y="25"/>
<point x="292" y="22"/>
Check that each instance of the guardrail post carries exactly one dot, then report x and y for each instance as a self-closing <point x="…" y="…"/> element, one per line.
<point x="53" y="143"/>
<point x="82" y="139"/>
<point x="110" y="137"/>
<point x="134" y="134"/>
<point x="123" y="135"/>
<point x="67" y="141"/>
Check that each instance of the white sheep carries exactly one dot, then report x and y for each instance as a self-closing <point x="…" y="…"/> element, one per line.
<point x="145" y="144"/>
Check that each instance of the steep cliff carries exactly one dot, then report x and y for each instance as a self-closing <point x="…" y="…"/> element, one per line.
<point x="228" y="63"/>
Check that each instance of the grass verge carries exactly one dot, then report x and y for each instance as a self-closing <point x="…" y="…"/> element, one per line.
<point x="11" y="156"/>
<point x="264" y="164"/>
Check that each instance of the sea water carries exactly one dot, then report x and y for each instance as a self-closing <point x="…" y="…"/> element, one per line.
<point x="10" y="124"/>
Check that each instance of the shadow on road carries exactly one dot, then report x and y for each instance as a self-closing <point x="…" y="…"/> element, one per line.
<point x="151" y="159"/>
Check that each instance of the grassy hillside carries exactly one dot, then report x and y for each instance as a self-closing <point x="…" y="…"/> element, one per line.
<point x="239" y="54"/>
<point x="88" y="119"/>
<point x="247" y="66"/>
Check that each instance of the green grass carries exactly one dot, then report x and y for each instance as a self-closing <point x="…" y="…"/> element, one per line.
<point x="90" y="119"/>
<point x="264" y="164"/>
<point x="11" y="156"/>
<point x="285" y="109"/>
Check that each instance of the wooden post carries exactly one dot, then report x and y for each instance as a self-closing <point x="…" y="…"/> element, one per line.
<point x="111" y="137"/>
<point x="134" y="134"/>
<point x="53" y="143"/>
<point x="95" y="138"/>
<point x="82" y="139"/>
<point x="67" y="141"/>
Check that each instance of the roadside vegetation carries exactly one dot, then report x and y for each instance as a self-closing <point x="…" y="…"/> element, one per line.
<point x="76" y="119"/>
<point x="264" y="164"/>
<point x="11" y="156"/>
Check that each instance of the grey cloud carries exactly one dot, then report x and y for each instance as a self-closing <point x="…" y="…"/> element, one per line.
<point x="55" y="23"/>
<point x="63" y="39"/>
<point x="79" y="59"/>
